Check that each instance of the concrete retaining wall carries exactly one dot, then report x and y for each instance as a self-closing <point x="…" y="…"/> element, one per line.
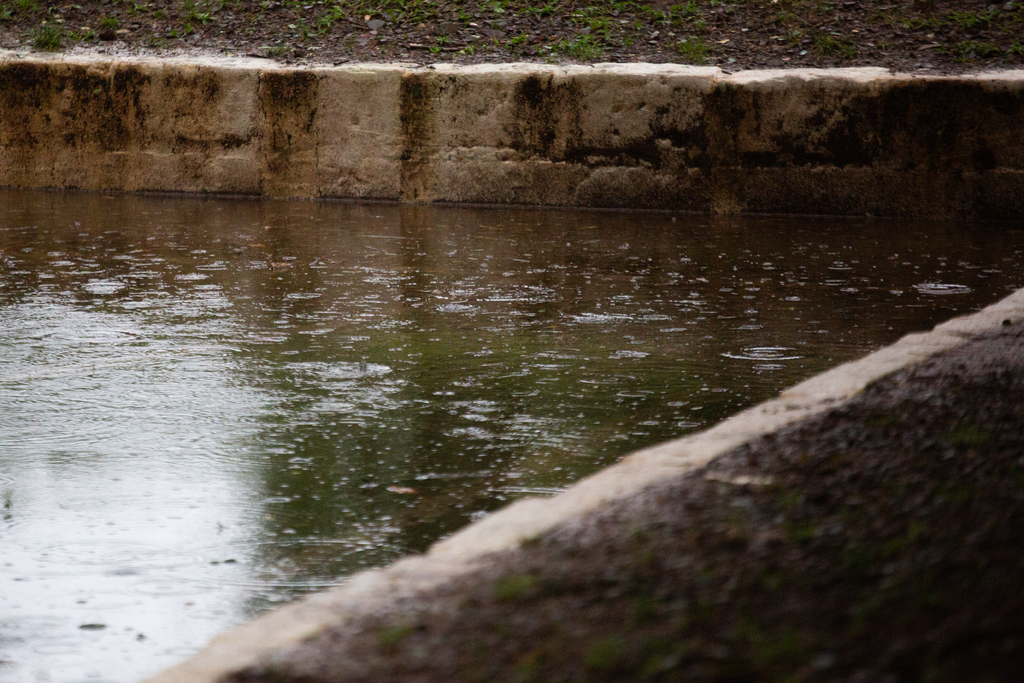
<point x="844" y="141"/>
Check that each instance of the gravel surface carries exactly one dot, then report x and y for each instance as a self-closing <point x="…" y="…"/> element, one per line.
<point x="878" y="542"/>
<point x="932" y="36"/>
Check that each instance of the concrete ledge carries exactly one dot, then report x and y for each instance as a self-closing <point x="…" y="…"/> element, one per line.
<point x="842" y="141"/>
<point x="468" y="550"/>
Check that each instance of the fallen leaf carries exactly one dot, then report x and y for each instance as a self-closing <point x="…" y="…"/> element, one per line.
<point x="723" y="42"/>
<point x="401" y="489"/>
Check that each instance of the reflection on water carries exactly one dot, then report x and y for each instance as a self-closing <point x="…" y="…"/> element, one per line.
<point x="211" y="406"/>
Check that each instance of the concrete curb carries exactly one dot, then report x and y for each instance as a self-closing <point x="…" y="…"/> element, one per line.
<point x="841" y="141"/>
<point x="468" y="549"/>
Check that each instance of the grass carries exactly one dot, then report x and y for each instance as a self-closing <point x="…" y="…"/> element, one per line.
<point x="974" y="19"/>
<point x="47" y="38"/>
<point x="966" y="50"/>
<point x="608" y="655"/>
<point x="393" y="635"/>
<point x="693" y="50"/>
<point x="582" y="48"/>
<point x="831" y="46"/>
<point x="513" y="588"/>
<point x="26" y="6"/>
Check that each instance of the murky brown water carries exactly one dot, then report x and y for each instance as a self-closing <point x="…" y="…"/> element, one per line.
<point x="210" y="406"/>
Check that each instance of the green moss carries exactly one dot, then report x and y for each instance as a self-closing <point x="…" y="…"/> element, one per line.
<point x="968" y="436"/>
<point x="608" y="655"/>
<point x="391" y="636"/>
<point x="513" y="588"/>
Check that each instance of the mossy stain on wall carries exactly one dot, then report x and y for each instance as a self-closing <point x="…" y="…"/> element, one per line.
<point x="289" y="101"/>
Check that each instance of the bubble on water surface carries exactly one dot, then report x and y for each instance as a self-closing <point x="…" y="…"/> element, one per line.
<point x="101" y="287"/>
<point x="628" y="354"/>
<point x="458" y="307"/>
<point x="940" y="289"/>
<point x="599" y="318"/>
<point x="764" y="353"/>
<point x="107" y="554"/>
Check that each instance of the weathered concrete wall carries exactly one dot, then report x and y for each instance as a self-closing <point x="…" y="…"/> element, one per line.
<point x="845" y="141"/>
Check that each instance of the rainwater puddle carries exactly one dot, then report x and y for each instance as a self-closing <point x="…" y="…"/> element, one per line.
<point x="209" y="407"/>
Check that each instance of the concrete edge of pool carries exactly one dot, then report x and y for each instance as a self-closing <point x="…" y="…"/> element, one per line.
<point x="468" y="549"/>
<point x="849" y="141"/>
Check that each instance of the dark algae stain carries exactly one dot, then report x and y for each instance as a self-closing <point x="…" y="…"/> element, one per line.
<point x="546" y="117"/>
<point x="418" y="95"/>
<point x="288" y="101"/>
<point x="124" y="116"/>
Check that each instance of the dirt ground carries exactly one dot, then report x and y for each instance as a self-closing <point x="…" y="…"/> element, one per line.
<point x="935" y="36"/>
<point x="880" y="542"/>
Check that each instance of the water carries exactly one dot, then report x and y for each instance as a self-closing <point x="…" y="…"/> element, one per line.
<point x="208" y="407"/>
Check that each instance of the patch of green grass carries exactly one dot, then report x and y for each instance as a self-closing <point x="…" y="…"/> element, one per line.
<point x="26" y="6"/>
<point x="46" y="38"/>
<point x="775" y="652"/>
<point x="326" y="22"/>
<point x="974" y="19"/>
<point x="76" y="37"/>
<point x="932" y="22"/>
<point x="954" y="494"/>
<point x="193" y="14"/>
<point x="513" y="588"/>
<point x="513" y="44"/>
<point x="528" y="666"/>
<point x="970" y="436"/>
<point x="644" y="609"/>
<point x="391" y="636"/>
<point x="882" y="421"/>
<point x="693" y="50"/>
<point x="1017" y="475"/>
<point x="600" y="26"/>
<point x="108" y="23"/>
<point x="786" y="18"/>
<point x="584" y="47"/>
<point x="802" y="531"/>
<point x="439" y="43"/>
<point x="680" y="13"/>
<point x="832" y="46"/>
<point x="608" y="655"/>
<point x="541" y="11"/>
<point x="532" y="539"/>
<point x="399" y="11"/>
